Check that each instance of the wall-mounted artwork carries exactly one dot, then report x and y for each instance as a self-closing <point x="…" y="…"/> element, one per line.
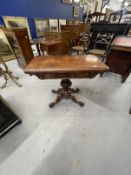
<point x="105" y="4"/>
<point x="5" y="49"/>
<point x="10" y="35"/>
<point x="53" y="25"/>
<point x="42" y="26"/>
<point x="61" y="22"/>
<point x="15" y="21"/>
<point x="82" y="3"/>
<point x="77" y="1"/>
<point x="67" y="1"/>
<point x="76" y="11"/>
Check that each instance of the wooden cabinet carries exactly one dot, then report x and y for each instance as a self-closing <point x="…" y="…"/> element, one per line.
<point x="64" y="37"/>
<point x="119" y="59"/>
<point x="24" y="42"/>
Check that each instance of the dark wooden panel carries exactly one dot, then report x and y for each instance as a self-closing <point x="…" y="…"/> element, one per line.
<point x="24" y="42"/>
<point x="119" y="59"/>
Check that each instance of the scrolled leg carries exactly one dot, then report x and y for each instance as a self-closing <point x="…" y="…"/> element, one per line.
<point x="58" y="99"/>
<point x="76" y="101"/>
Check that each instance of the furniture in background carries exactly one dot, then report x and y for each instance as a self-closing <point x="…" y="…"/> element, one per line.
<point x="25" y="45"/>
<point x="82" y="44"/>
<point x="119" y="58"/>
<point x="96" y="17"/>
<point x="102" y="44"/>
<point x="102" y="35"/>
<point x="8" y="119"/>
<point x="51" y="47"/>
<point x="117" y="17"/>
<point x="76" y="30"/>
<point x="63" y="37"/>
<point x="65" y="67"/>
<point x="130" y="110"/>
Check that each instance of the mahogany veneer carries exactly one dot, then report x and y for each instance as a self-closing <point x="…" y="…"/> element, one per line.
<point x="65" y="67"/>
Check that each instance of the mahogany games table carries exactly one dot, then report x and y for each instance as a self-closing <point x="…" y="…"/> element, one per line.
<point x="65" y="68"/>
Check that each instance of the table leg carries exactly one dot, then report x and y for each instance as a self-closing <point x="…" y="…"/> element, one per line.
<point x="65" y="92"/>
<point x="38" y="49"/>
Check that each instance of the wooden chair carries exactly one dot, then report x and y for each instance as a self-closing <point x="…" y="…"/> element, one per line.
<point x="119" y="17"/>
<point x="96" y="17"/>
<point x="101" y="45"/>
<point x="82" y="43"/>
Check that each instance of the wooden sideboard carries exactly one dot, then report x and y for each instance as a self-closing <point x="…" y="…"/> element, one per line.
<point x="119" y="58"/>
<point x="63" y="36"/>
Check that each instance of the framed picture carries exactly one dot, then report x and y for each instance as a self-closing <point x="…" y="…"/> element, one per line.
<point x="67" y="1"/>
<point x="76" y="11"/>
<point x="10" y="35"/>
<point x="82" y="3"/>
<point x="5" y="49"/>
<point x="61" y="22"/>
<point x="77" y="1"/>
<point x="53" y="25"/>
<point x="16" y="21"/>
<point x="41" y="26"/>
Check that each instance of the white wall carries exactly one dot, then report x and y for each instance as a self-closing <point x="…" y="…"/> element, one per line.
<point x="115" y="5"/>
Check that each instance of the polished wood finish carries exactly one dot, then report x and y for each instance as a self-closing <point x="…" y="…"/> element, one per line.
<point x="65" y="67"/>
<point x="70" y="66"/>
<point x="63" y="37"/>
<point x="75" y="30"/>
<point x="25" y="45"/>
<point x="52" y="47"/>
<point x="119" y="59"/>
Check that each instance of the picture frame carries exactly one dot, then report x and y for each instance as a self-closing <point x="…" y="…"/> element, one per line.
<point x="82" y="3"/>
<point x="61" y="22"/>
<point x="53" y="25"/>
<point x="41" y="26"/>
<point x="6" y="51"/>
<point x="76" y="11"/>
<point x="77" y="1"/>
<point x="67" y="1"/>
<point x="17" y="21"/>
<point x="14" y="44"/>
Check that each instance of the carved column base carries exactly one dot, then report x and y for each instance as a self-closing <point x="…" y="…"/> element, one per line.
<point x="65" y="92"/>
